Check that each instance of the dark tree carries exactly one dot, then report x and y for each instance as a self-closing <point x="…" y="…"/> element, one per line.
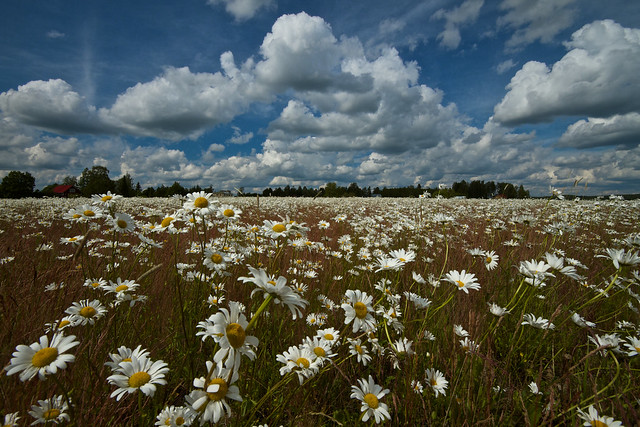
<point x="124" y="186"/>
<point x="17" y="184"/>
<point x="95" y="181"/>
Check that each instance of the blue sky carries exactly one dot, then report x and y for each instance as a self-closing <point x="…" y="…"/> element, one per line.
<point x="267" y="93"/>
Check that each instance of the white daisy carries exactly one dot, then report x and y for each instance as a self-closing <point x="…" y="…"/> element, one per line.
<point x="138" y="374"/>
<point x="369" y="394"/>
<point x="43" y="357"/>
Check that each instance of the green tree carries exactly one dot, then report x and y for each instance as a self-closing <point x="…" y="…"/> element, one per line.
<point x="124" y="186"/>
<point x="70" y="180"/>
<point x="95" y="181"/>
<point x="17" y="184"/>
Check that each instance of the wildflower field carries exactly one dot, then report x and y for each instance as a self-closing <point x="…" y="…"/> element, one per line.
<point x="282" y="311"/>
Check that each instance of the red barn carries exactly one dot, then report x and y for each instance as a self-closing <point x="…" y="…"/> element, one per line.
<point x="66" y="191"/>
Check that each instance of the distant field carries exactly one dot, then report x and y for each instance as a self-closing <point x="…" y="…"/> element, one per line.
<point x="286" y="311"/>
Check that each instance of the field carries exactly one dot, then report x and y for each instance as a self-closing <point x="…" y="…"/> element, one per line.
<point x="282" y="311"/>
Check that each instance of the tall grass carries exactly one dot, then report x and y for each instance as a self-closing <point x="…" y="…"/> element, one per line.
<point x="571" y="366"/>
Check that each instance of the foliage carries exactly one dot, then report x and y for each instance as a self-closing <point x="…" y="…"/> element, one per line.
<point x="17" y="184"/>
<point x="95" y="181"/>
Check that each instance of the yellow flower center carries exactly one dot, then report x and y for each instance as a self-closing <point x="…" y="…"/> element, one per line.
<point x="106" y="198"/>
<point x="236" y="335"/>
<point x="95" y="284"/>
<point x="139" y="379"/>
<point x="89" y="212"/>
<point x="76" y="216"/>
<point x="126" y="359"/>
<point x="44" y="357"/>
<point x="216" y="258"/>
<point x="371" y="400"/>
<point x="122" y="288"/>
<point x="122" y="223"/>
<point x="179" y="421"/>
<point x="319" y="351"/>
<point x="361" y="310"/>
<point x="228" y="213"/>
<point x="88" y="312"/>
<point x="279" y="228"/>
<point x="165" y="222"/>
<point x="328" y="337"/>
<point x="303" y="362"/>
<point x="51" y="414"/>
<point x="637" y="349"/>
<point x="222" y="390"/>
<point x="72" y="239"/>
<point x="201" y="202"/>
<point x="460" y="284"/>
<point x="433" y="382"/>
<point x="63" y="323"/>
<point x="359" y="349"/>
<point x="488" y="260"/>
<point x="598" y="423"/>
<point x="272" y="282"/>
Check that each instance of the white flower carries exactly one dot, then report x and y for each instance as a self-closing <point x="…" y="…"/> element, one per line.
<point x="42" y="358"/>
<point x="595" y="420"/>
<point x="436" y="380"/>
<point x="300" y="360"/>
<point x="209" y="397"/>
<point x="463" y="280"/>
<point x="537" y="322"/>
<point x="138" y="374"/>
<point x="358" y="309"/>
<point x="52" y="410"/>
<point x="283" y="294"/>
<point x="496" y="310"/>
<point x="369" y="394"/>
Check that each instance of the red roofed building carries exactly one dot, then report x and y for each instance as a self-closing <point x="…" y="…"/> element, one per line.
<point x="66" y="191"/>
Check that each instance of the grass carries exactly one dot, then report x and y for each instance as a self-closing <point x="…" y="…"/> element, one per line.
<point x="490" y="385"/>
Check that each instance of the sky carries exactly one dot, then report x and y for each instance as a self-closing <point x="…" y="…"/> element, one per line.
<point x="269" y="93"/>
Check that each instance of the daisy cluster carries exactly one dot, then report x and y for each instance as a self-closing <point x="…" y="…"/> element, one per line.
<point x="214" y="310"/>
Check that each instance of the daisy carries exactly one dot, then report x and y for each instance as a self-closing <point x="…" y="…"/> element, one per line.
<point x="300" y="360"/>
<point x="417" y="386"/>
<point x="581" y="321"/>
<point x="52" y="410"/>
<point x="490" y="260"/>
<point x="418" y="301"/>
<point x="275" y="229"/>
<point x="282" y="293"/>
<point x="95" y="283"/>
<point x="468" y="345"/>
<point x="59" y="325"/>
<point x="620" y="257"/>
<point x="90" y="212"/>
<point x="330" y="335"/>
<point x="174" y="416"/>
<point x="537" y="322"/>
<point x="125" y="354"/>
<point x="215" y="260"/>
<point x="11" y="420"/>
<point x="595" y="420"/>
<point x="138" y="374"/>
<point x="436" y="380"/>
<point x="358" y="309"/>
<point x="43" y="357"/>
<point x="633" y="345"/>
<point x="86" y="312"/>
<point x="533" y="388"/>
<point x="200" y="203"/>
<point x="496" y="310"/>
<point x="227" y="328"/>
<point x="320" y="347"/>
<point x="209" y="399"/>
<point x="404" y="256"/>
<point x="537" y="271"/>
<point x="123" y="223"/>
<point x="459" y="331"/>
<point x="229" y="213"/>
<point x="463" y="280"/>
<point x="369" y="394"/>
<point x="106" y="199"/>
<point x="358" y="349"/>
<point x="385" y="263"/>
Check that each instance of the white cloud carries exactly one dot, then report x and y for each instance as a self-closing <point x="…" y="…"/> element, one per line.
<point x="158" y="164"/>
<point x="239" y="137"/>
<point x="505" y="66"/>
<point x="55" y="34"/>
<point x="466" y="13"/>
<point x="534" y="20"/>
<point x="243" y="9"/>
<point x="598" y="77"/>
<point x="594" y="132"/>
<point x="51" y="105"/>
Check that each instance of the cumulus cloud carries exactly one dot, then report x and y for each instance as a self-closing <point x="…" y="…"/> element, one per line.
<point x="598" y="77"/>
<point x="466" y="13"/>
<point x="159" y="164"/>
<point x="51" y="105"/>
<point x="621" y="129"/>
<point x="243" y="10"/>
<point x="535" y="20"/>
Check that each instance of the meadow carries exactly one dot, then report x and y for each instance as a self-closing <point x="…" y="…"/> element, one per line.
<point x="310" y="312"/>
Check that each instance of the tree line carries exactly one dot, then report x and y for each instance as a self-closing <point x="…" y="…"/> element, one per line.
<point x="96" y="180"/>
